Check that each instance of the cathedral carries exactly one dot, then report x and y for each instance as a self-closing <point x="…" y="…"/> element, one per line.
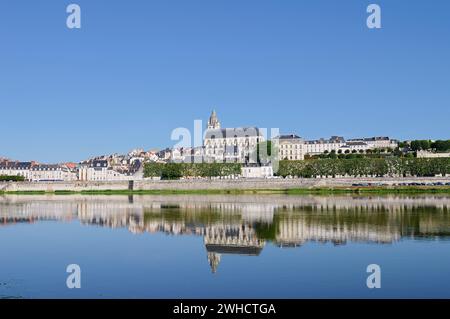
<point x="231" y="144"/>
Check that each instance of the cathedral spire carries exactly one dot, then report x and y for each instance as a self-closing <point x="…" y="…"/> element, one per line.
<point x="213" y="260"/>
<point x="213" y="122"/>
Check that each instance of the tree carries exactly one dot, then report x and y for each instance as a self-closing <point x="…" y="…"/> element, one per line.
<point x="418" y="145"/>
<point x="177" y="170"/>
<point x="415" y="145"/>
<point x="266" y="152"/>
<point x="441" y="145"/>
<point x="153" y="169"/>
<point x="171" y="171"/>
<point x="403" y="144"/>
<point x="425" y="144"/>
<point x="332" y="155"/>
<point x="397" y="152"/>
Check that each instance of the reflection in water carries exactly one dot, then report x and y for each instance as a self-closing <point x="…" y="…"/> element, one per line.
<point x="244" y="224"/>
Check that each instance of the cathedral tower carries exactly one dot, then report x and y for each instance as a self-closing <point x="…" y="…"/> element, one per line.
<point x="213" y="122"/>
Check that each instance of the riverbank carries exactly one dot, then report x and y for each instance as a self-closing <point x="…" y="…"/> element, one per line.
<point x="238" y="186"/>
<point x="312" y="191"/>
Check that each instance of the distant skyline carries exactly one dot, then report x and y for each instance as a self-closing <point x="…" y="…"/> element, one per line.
<point x="137" y="70"/>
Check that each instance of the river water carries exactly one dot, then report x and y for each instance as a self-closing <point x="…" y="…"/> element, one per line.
<point x="224" y="246"/>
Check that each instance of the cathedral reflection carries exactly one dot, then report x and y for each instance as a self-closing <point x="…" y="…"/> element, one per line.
<point x="245" y="224"/>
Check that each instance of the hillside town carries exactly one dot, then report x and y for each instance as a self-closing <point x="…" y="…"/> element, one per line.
<point x="220" y="145"/>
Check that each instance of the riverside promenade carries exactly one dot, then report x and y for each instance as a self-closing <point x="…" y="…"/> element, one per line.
<point x="221" y="184"/>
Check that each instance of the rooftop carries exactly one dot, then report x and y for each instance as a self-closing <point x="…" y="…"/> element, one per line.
<point x="233" y="132"/>
<point x="288" y="137"/>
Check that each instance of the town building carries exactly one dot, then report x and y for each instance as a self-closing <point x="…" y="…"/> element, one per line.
<point x="356" y="146"/>
<point x="16" y="169"/>
<point x="165" y="154"/>
<point x="293" y="147"/>
<point x="377" y="142"/>
<point x="320" y="146"/>
<point x="188" y="155"/>
<point x="100" y="170"/>
<point x="257" y="171"/>
<point x="51" y="173"/>
<point x="290" y="147"/>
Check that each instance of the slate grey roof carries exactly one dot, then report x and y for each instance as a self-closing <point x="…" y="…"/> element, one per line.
<point x="337" y="139"/>
<point x="333" y="139"/>
<point x="287" y="137"/>
<point x="233" y="132"/>
<point x="15" y="165"/>
<point x="372" y="139"/>
<point x="46" y="167"/>
<point x="356" y="143"/>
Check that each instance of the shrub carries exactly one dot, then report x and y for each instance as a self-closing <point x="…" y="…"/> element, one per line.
<point x="13" y="178"/>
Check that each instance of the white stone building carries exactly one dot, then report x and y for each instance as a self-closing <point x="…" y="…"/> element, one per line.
<point x="377" y="142"/>
<point x="357" y="146"/>
<point x="290" y="147"/>
<point x="257" y="171"/>
<point x="16" y="169"/>
<point x="165" y="154"/>
<point x="293" y="147"/>
<point x="51" y="173"/>
<point x="188" y="155"/>
<point x="38" y="172"/>
<point x="320" y="146"/>
<point x="177" y="155"/>
<point x="99" y="170"/>
<point x="230" y="144"/>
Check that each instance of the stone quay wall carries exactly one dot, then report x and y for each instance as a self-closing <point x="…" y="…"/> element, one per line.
<point x="213" y="184"/>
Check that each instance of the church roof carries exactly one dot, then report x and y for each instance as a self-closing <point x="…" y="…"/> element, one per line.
<point x="233" y="132"/>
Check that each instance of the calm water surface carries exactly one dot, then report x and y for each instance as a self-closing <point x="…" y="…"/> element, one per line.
<point x="258" y="246"/>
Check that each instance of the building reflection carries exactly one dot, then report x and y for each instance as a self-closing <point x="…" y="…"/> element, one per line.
<point x="243" y="225"/>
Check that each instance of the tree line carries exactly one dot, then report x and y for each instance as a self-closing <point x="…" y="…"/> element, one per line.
<point x="424" y="145"/>
<point x="178" y="170"/>
<point x="324" y="167"/>
<point x="365" y="167"/>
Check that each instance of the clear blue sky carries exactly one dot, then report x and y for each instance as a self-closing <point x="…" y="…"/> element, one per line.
<point x="138" y="69"/>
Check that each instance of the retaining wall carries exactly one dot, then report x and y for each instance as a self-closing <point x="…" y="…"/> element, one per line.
<point x="214" y="184"/>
